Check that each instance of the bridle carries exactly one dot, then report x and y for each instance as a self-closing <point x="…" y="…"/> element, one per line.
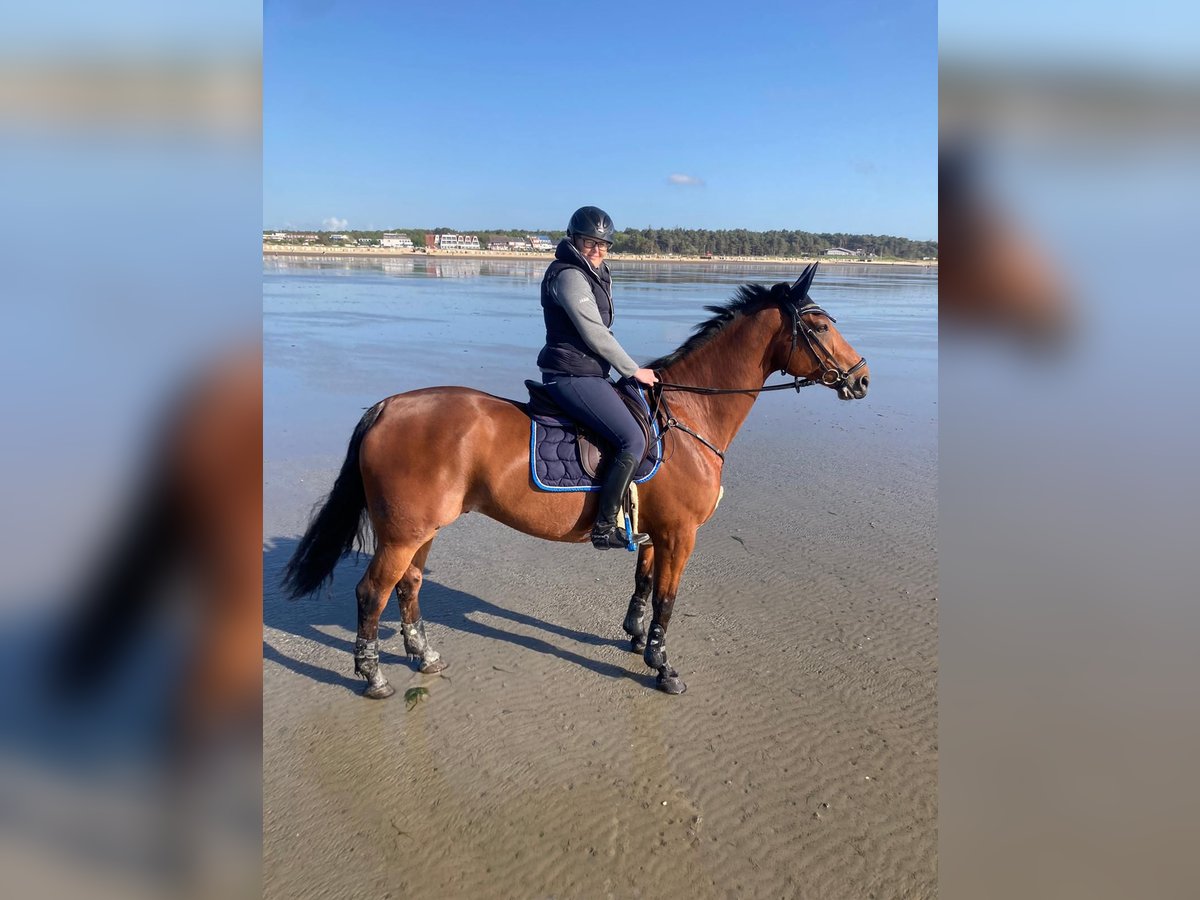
<point x="800" y="329"/>
<point x="832" y="375"/>
<point x="824" y="359"/>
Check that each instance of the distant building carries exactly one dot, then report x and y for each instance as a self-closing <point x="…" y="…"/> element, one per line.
<point x="840" y="251"/>
<point x="509" y="244"/>
<point x="338" y="237"/>
<point x="457" y="241"/>
<point x="291" y="237"/>
<point x="539" y="242"/>
<point x="398" y="241"/>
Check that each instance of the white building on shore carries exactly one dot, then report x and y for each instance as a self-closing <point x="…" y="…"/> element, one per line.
<point x="397" y="241"/>
<point x="509" y="244"/>
<point x="291" y="237"/>
<point x="458" y="242"/>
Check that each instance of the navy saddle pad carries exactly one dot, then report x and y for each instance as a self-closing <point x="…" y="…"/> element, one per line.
<point x="554" y="461"/>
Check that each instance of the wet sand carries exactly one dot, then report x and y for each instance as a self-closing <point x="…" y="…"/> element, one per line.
<point x="801" y="762"/>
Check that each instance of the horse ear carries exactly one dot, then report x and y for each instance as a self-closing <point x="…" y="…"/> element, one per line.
<point x="800" y="289"/>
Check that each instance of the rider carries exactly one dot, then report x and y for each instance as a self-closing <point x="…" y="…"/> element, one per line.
<point x="580" y="350"/>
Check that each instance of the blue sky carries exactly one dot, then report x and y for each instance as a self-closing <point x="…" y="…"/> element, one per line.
<point x="129" y="26"/>
<point x="1156" y="37"/>
<point x="703" y="115"/>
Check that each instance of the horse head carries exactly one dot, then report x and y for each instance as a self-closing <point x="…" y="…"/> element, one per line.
<point x="817" y="351"/>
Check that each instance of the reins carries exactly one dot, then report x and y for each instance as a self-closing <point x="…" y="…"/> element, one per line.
<point x="696" y="389"/>
<point x="669" y="420"/>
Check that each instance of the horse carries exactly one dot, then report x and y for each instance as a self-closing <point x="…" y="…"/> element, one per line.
<point x="419" y="460"/>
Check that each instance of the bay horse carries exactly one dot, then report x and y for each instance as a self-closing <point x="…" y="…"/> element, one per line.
<point x="417" y="461"/>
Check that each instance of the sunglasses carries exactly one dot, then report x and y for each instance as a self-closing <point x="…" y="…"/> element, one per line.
<point x="589" y="245"/>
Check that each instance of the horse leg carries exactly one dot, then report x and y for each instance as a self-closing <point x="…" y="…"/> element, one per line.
<point x="411" y="626"/>
<point x="388" y="565"/>
<point x="672" y="558"/>
<point x="643" y="589"/>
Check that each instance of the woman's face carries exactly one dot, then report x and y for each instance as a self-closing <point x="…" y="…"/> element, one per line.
<point x="592" y="250"/>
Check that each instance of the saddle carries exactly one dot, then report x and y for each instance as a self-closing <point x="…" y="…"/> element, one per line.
<point x="567" y="456"/>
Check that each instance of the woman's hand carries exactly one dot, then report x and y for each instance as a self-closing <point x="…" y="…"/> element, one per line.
<point x="646" y="377"/>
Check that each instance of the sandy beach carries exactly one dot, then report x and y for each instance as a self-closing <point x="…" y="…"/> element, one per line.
<point x="802" y="761"/>
<point x="386" y="252"/>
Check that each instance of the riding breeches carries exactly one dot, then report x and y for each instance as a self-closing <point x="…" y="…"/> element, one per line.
<point x="593" y="402"/>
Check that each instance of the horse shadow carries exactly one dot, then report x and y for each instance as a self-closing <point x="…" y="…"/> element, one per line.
<point x="313" y="618"/>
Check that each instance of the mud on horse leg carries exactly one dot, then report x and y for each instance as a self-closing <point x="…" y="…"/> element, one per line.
<point x="643" y="589"/>
<point x="372" y="593"/>
<point x="416" y="644"/>
<point x="668" y="571"/>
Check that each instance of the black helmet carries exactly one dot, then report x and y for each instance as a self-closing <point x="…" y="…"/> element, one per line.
<point x="593" y="222"/>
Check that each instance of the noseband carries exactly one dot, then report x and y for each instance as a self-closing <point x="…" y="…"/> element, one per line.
<point x="832" y="374"/>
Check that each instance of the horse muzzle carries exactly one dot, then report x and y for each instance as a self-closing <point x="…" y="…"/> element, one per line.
<point x="854" y="387"/>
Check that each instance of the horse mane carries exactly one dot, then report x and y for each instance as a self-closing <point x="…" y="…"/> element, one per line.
<point x="750" y="298"/>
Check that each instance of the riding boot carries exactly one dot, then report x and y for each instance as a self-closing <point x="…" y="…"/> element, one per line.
<point x="608" y="533"/>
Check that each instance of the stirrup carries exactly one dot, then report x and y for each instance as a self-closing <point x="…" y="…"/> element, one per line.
<point x="613" y="537"/>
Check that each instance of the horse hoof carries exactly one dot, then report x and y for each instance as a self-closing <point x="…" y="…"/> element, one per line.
<point x="432" y="668"/>
<point x="670" y="683"/>
<point x="379" y="691"/>
<point x="637" y="644"/>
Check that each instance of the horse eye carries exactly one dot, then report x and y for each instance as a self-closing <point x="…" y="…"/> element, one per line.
<point x="821" y="329"/>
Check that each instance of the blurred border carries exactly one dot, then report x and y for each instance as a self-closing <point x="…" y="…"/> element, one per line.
<point x="130" y="599"/>
<point x="1067" y="612"/>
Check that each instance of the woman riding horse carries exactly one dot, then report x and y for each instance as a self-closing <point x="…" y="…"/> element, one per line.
<point x="581" y="349"/>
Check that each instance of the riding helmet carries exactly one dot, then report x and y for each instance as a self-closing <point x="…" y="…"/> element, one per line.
<point x="593" y="222"/>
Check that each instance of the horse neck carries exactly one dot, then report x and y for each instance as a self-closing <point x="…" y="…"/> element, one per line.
<point x="740" y="356"/>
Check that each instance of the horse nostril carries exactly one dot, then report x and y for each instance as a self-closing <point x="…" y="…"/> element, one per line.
<point x="864" y="381"/>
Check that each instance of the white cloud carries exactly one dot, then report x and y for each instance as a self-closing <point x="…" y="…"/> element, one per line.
<point x="333" y="223"/>
<point x="690" y="180"/>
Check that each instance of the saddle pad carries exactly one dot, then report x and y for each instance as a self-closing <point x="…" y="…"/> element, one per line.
<point x="554" y="458"/>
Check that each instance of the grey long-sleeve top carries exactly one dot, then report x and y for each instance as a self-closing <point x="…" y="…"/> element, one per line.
<point x="573" y="293"/>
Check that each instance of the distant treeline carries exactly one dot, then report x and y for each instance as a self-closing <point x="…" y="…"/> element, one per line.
<point x="740" y="242"/>
<point x="698" y="242"/>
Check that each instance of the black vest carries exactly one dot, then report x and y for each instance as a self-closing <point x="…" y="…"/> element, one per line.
<point x="565" y="350"/>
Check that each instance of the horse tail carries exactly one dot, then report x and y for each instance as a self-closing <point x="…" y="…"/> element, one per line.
<point x="337" y="526"/>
